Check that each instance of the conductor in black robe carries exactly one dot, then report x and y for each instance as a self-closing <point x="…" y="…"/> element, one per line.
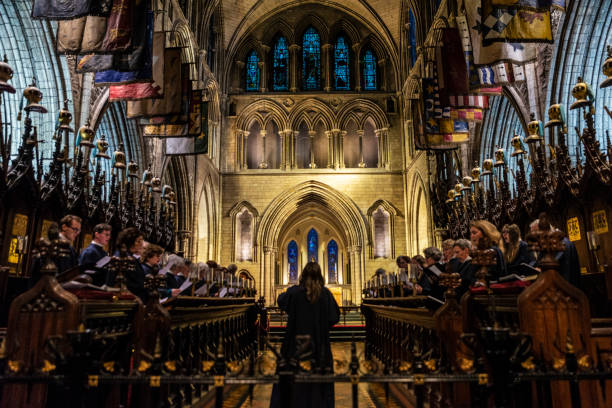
<point x="312" y="311"/>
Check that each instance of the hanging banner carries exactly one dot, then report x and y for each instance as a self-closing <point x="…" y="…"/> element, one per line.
<point x="61" y="10"/>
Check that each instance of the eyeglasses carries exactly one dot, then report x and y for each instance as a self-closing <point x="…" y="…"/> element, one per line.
<point x="75" y="229"/>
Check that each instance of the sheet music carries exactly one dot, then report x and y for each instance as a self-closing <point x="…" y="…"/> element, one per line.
<point x="103" y="262"/>
<point x="185" y="285"/>
<point x="166" y="268"/>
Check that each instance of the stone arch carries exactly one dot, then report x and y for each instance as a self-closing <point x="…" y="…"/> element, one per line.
<point x="360" y="110"/>
<point x="420" y="224"/>
<point x="317" y="23"/>
<point x="343" y="26"/>
<point x="285" y="204"/>
<point x="393" y="212"/>
<point x="247" y="46"/>
<point x="278" y="27"/>
<point x="233" y="213"/>
<point x="312" y="110"/>
<point x="271" y="110"/>
<point x="183" y="38"/>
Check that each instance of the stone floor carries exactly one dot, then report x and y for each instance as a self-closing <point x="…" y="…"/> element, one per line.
<point x="369" y="396"/>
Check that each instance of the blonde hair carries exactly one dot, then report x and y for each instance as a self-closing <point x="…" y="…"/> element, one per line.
<point x="512" y="246"/>
<point x="491" y="235"/>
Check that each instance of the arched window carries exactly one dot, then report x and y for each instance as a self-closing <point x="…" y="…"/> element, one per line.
<point x="281" y="66"/>
<point x="252" y="72"/>
<point x="370" y="145"/>
<point x="341" y="65"/>
<point x="244" y="236"/>
<point x="382" y="237"/>
<point x="292" y="259"/>
<point x="311" y="60"/>
<point x="313" y="246"/>
<point x="254" y="146"/>
<point x="332" y="262"/>
<point x="412" y="38"/>
<point x="369" y="71"/>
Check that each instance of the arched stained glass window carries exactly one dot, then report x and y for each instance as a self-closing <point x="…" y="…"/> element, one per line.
<point x="332" y="262"/>
<point x="341" y="65"/>
<point x="292" y="259"/>
<point x="252" y="72"/>
<point x="281" y="65"/>
<point x="412" y="37"/>
<point x="313" y="246"/>
<point x="311" y="60"/>
<point x="369" y="71"/>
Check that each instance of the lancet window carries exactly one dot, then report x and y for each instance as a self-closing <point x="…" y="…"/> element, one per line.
<point x="281" y="65"/>
<point x="252" y="72"/>
<point x="382" y="236"/>
<point x="244" y="236"/>
<point x="341" y="65"/>
<point x="313" y="246"/>
<point x="292" y="259"/>
<point x="311" y="60"/>
<point x="369" y="71"/>
<point x="332" y="262"/>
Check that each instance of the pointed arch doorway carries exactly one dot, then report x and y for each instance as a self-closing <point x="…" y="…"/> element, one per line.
<point x="312" y="220"/>
<point x="311" y="235"/>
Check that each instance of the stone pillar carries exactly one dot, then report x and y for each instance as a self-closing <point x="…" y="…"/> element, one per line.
<point x="293" y="65"/>
<point x="283" y="147"/>
<point x="245" y="137"/>
<point x="382" y="64"/>
<point x="239" y="74"/>
<point x="383" y="146"/>
<point x="357" y="75"/>
<point x="263" y="69"/>
<point x="311" y="135"/>
<point x="273" y="255"/>
<point x="294" y="134"/>
<point x="266" y="276"/>
<point x="327" y="66"/>
<point x="330" y="149"/>
<point x="341" y="149"/>
<point x="264" y="163"/>
<point x="361" y="162"/>
<point x="356" y="271"/>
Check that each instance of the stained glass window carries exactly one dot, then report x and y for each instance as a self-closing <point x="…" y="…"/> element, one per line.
<point x="369" y="71"/>
<point x="292" y="257"/>
<point x="281" y="65"/>
<point x="332" y="262"/>
<point x="412" y="37"/>
<point x="252" y="72"/>
<point x="341" y="65"/>
<point x="313" y="246"/>
<point x="311" y="60"/>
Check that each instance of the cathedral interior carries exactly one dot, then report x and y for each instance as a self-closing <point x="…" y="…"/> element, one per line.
<point x="447" y="164"/>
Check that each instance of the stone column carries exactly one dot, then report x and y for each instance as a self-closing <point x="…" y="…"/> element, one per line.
<point x="293" y="65"/>
<point x="237" y="80"/>
<point x="356" y="271"/>
<point x="330" y="149"/>
<point x="341" y="149"/>
<point x="311" y="135"/>
<point x="273" y="254"/>
<point x="245" y="137"/>
<point x="263" y="69"/>
<point x="384" y="145"/>
<point x="327" y="66"/>
<point x="239" y="149"/>
<point x="266" y="275"/>
<point x="283" y="147"/>
<point x="264" y="163"/>
<point x="382" y="63"/>
<point x="294" y="134"/>
<point x="361" y="162"/>
<point x="357" y="71"/>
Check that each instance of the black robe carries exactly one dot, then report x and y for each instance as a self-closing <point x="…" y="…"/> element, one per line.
<point x="315" y="320"/>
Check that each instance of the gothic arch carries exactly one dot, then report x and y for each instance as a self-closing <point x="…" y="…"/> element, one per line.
<point x="393" y="212"/>
<point x="273" y="111"/>
<point x="311" y="111"/>
<point x="419" y="233"/>
<point x="247" y="46"/>
<point x="343" y="26"/>
<point x="369" y="109"/>
<point x="287" y="203"/>
<point x="278" y="27"/>
<point x="317" y="23"/>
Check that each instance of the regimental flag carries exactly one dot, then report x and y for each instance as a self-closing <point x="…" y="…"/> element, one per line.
<point x="489" y="54"/>
<point x="463" y="114"/>
<point x="93" y="63"/>
<point x="136" y="66"/>
<point x="453" y="63"/>
<point x="82" y="35"/>
<point x="61" y="9"/>
<point x="530" y="4"/>
<point x="433" y="109"/>
<point x="171" y="103"/>
<point x="166" y="130"/>
<point x="469" y="101"/>
<point x="119" y="28"/>
<point x="504" y="24"/>
<point x="144" y="90"/>
<point x="197" y="142"/>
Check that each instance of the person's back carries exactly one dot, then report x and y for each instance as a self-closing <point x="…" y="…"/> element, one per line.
<point x="312" y="311"/>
